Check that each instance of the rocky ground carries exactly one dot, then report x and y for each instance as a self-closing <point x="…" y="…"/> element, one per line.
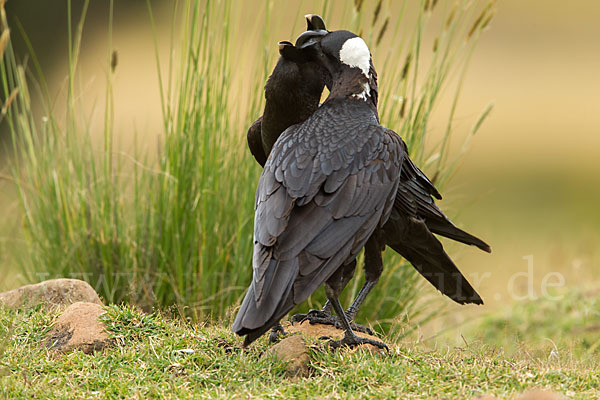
<point x="58" y="339"/>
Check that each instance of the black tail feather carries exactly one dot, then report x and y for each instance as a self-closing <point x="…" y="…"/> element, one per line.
<point x="445" y="228"/>
<point x="411" y="238"/>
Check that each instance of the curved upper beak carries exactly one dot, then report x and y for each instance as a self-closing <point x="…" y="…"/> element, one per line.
<point x="309" y="38"/>
<point x="283" y="44"/>
<point x="315" y="30"/>
<point x="314" y="23"/>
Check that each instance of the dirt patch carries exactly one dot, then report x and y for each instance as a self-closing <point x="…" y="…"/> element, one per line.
<point x="541" y="395"/>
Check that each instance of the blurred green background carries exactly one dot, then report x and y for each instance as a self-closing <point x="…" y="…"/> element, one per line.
<point x="529" y="183"/>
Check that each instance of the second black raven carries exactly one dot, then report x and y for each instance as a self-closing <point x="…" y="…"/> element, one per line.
<point x="292" y="94"/>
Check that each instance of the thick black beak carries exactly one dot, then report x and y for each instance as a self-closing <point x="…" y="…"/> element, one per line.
<point x="315" y="29"/>
<point x="310" y="38"/>
<point x="314" y="23"/>
<point x="291" y="52"/>
<point x="284" y="44"/>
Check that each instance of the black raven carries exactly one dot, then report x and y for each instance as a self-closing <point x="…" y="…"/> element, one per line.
<point x="415" y="215"/>
<point x="327" y="189"/>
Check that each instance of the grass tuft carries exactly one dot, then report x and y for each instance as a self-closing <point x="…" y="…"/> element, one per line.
<point x="128" y="324"/>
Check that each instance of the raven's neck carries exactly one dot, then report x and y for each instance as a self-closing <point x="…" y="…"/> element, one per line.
<point x="292" y="95"/>
<point x="353" y="84"/>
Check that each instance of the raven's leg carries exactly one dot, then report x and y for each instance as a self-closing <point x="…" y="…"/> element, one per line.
<point x="350" y="338"/>
<point x="323" y="316"/>
<point x="373" y="269"/>
<point x="342" y="276"/>
<point x="347" y="272"/>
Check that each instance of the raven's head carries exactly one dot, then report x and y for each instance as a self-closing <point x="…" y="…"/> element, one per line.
<point x="310" y="71"/>
<point x="347" y="59"/>
<point x="294" y="88"/>
<point x="315" y="28"/>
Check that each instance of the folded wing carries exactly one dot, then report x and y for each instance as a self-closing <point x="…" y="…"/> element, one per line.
<point x="318" y="200"/>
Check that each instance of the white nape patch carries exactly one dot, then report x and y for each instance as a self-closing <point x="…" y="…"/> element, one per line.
<point x="355" y="53"/>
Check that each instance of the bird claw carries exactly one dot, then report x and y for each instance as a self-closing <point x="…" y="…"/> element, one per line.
<point x="276" y="332"/>
<point x="300" y="318"/>
<point x="324" y="318"/>
<point x="351" y="340"/>
<point x="361" y="328"/>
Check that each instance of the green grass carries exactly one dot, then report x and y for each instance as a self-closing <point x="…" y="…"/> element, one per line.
<point x="142" y="363"/>
<point x="178" y="230"/>
<point x="569" y="320"/>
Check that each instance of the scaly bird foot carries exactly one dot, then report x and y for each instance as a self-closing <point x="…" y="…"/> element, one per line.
<point x="324" y="318"/>
<point x="351" y="340"/>
<point x="311" y="315"/>
<point x="276" y="332"/>
<point x="299" y="318"/>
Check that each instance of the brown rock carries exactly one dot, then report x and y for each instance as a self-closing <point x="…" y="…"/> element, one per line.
<point x="541" y="395"/>
<point x="78" y="328"/>
<point x="319" y="330"/>
<point x="293" y="350"/>
<point x="52" y="292"/>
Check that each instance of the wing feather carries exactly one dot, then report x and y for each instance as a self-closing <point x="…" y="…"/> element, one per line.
<point x="255" y="142"/>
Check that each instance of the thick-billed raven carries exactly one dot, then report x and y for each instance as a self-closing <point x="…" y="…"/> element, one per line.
<point x="413" y="217"/>
<point x="292" y="94"/>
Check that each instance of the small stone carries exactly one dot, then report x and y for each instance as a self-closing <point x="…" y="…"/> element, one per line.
<point x="55" y="292"/>
<point x="293" y="350"/>
<point x="541" y="395"/>
<point x="183" y="352"/>
<point x="78" y="328"/>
